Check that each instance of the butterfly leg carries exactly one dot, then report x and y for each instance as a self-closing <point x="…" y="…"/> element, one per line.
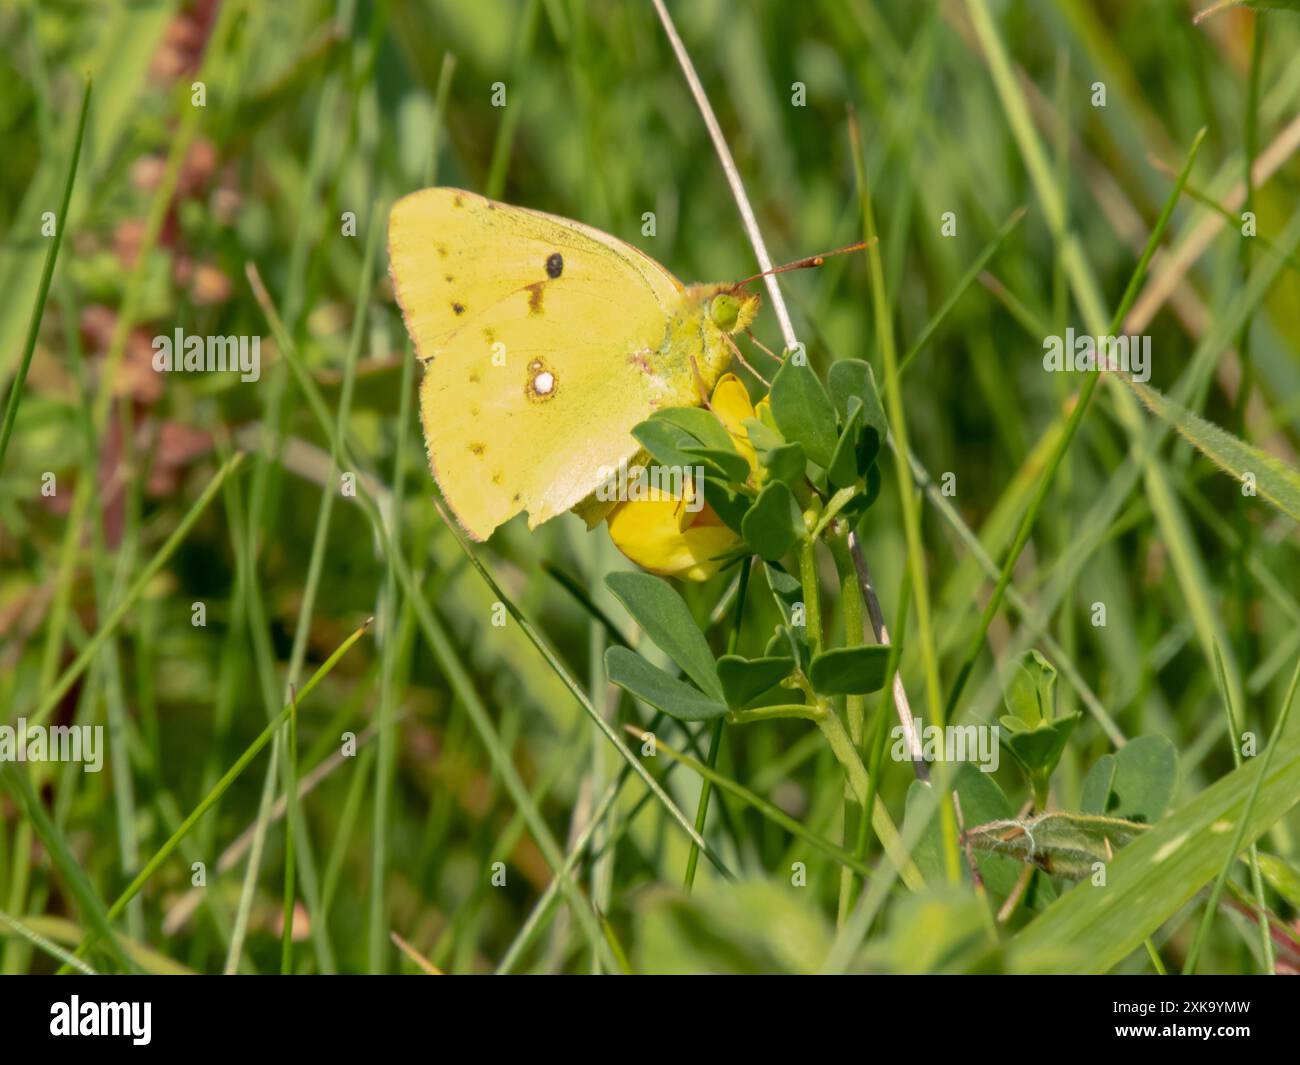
<point x="740" y="358"/>
<point x="700" y="385"/>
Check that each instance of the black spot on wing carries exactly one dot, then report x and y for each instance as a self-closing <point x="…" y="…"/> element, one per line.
<point x="554" y="265"/>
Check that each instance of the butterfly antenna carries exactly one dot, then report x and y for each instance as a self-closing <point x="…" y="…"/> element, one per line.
<point x="808" y="263"/>
<point x="745" y="362"/>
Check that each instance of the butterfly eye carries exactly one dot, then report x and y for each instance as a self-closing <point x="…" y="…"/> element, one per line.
<point x="724" y="310"/>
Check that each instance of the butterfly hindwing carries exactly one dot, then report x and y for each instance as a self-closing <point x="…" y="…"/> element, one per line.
<point x="535" y="333"/>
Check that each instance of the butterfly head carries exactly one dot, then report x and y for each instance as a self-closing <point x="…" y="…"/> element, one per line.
<point x="731" y="310"/>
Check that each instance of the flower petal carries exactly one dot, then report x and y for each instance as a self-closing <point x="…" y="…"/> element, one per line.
<point x="731" y="404"/>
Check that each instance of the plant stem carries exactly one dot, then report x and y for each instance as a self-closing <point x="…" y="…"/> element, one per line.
<point x="851" y="603"/>
<point x="733" y="175"/>
<point x="881" y="734"/>
<point x="856" y="774"/>
<point x="854" y="705"/>
<point x="807" y="711"/>
<point x="812" y="611"/>
<point x="715" y="740"/>
<point x="877" y="617"/>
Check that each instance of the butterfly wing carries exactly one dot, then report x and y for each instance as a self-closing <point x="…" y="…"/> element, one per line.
<point x="535" y="333"/>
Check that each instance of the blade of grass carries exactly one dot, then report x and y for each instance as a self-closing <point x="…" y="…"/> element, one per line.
<point x="393" y="629"/>
<point x="421" y="962"/>
<point x="230" y="776"/>
<point x="109" y="625"/>
<point x="1257" y="881"/>
<point x="248" y="886"/>
<point x="291" y="797"/>
<point x="15" y="779"/>
<point x="562" y="671"/>
<point x="1152" y="878"/>
<point x="1067" y="437"/>
<point x="1275" y="480"/>
<point x="449" y="661"/>
<point x="733" y="175"/>
<point x="1279" y="726"/>
<point x="976" y="268"/>
<point x="774" y="814"/>
<point x="906" y="489"/>
<point x="41" y="943"/>
<point x="47" y="274"/>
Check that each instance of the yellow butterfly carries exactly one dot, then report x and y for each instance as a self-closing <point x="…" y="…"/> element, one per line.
<point x="544" y="342"/>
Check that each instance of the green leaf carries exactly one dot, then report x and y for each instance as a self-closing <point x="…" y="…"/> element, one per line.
<point x="788" y="594"/>
<point x="1152" y="878"/>
<point x="1061" y="844"/>
<point x="786" y="590"/>
<point x="665" y="442"/>
<point x="785" y="463"/>
<point x="803" y="410"/>
<point x="701" y="424"/>
<point x="1097" y="784"/>
<point x="774" y="523"/>
<point x="745" y="679"/>
<point x="661" y="690"/>
<point x="861" y="503"/>
<point x="1136" y="783"/>
<point x="686" y="437"/>
<point x="1271" y="477"/>
<point x="1030" y="692"/>
<point x="1035" y="737"/>
<point x="728" y="502"/>
<point x="1037" y="750"/>
<point x="664" y="616"/>
<point x="727" y="464"/>
<point x="849" y="670"/>
<point x="844" y="469"/>
<point x="853" y="379"/>
<point x="762" y="436"/>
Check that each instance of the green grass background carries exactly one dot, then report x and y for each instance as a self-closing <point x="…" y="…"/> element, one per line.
<point x="470" y="749"/>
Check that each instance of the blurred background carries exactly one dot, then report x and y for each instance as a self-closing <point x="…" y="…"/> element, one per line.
<point x="224" y="135"/>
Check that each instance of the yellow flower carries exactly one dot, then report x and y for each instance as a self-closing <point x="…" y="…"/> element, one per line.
<point x="731" y="404"/>
<point x="682" y="536"/>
